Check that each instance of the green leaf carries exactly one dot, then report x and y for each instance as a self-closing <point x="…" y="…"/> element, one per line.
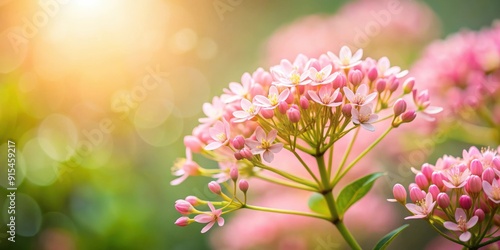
<point x="387" y="239"/>
<point x="317" y="203"/>
<point x="355" y="191"/>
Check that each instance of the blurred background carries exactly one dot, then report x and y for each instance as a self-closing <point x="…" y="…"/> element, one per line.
<point x="98" y="94"/>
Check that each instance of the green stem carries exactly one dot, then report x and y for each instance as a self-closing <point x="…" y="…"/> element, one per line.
<point x="347" y="235"/>
<point x="306" y="167"/>
<point x="286" y="175"/>
<point x="282" y="211"/>
<point x="285" y="183"/>
<point x="347" y="152"/>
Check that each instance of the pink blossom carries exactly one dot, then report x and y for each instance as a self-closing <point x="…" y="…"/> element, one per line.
<point x="236" y="90"/>
<point x="326" y="96"/>
<point x="185" y="168"/>
<point x="346" y="59"/>
<point x="289" y="75"/>
<point x="462" y="224"/>
<point x="361" y="97"/>
<point x="273" y="98"/>
<point x="423" y="104"/>
<point x="385" y="69"/>
<point x="492" y="190"/>
<point x="456" y="178"/>
<point x="264" y="144"/>
<point x="249" y="111"/>
<point x="220" y="134"/>
<point x="324" y="76"/>
<point x="214" y="111"/>
<point x="210" y="218"/>
<point x="364" y="117"/>
<point x="422" y="209"/>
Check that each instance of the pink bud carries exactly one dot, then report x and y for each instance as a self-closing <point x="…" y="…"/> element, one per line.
<point x="238" y="142"/>
<point x="290" y="98"/>
<point x="339" y="82"/>
<point x="246" y="153"/>
<point x="394" y="85"/>
<point x="437" y="179"/>
<point x="304" y="103"/>
<point x="339" y="98"/>
<point x="193" y="143"/>
<point x="485" y="207"/>
<point x="293" y="115"/>
<point x="408" y="85"/>
<point x="233" y="173"/>
<point x="399" y="193"/>
<point x="496" y="162"/>
<point x="434" y="190"/>
<point x="243" y="185"/>
<point x="282" y="107"/>
<point x="465" y="202"/>
<point x="474" y="184"/>
<point x="443" y="200"/>
<point x="372" y="73"/>
<point x="193" y="200"/>
<point x="480" y="214"/>
<point x="346" y="110"/>
<point x="408" y="116"/>
<point x="238" y="156"/>
<point x="214" y="187"/>
<point x="412" y="185"/>
<point x="183" y="207"/>
<point x="267" y="113"/>
<point x="421" y="181"/>
<point x="476" y="167"/>
<point x="380" y="85"/>
<point x="416" y="194"/>
<point x="488" y="175"/>
<point x="427" y="170"/>
<point x="182" y="221"/>
<point x="399" y="107"/>
<point x="355" y="76"/>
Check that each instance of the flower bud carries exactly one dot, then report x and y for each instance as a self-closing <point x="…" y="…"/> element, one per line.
<point x="480" y="214"/>
<point x="246" y="153"/>
<point x="476" y="167"/>
<point x="238" y="142"/>
<point x="427" y="170"/>
<point x="437" y="179"/>
<point x="394" y="85"/>
<point x="355" y="76"/>
<point x="443" y="200"/>
<point x="214" y="187"/>
<point x="291" y="97"/>
<point x="183" y="207"/>
<point x="233" y="173"/>
<point x="488" y="175"/>
<point x="183" y="221"/>
<point x="474" y="184"/>
<point x="293" y="115"/>
<point x="282" y="107"/>
<point x="380" y="85"/>
<point x="346" y="110"/>
<point x="399" y="107"/>
<point x="496" y="163"/>
<point x="434" y="190"/>
<point x="339" y="81"/>
<point x="465" y="202"/>
<point x="416" y="194"/>
<point x="372" y="73"/>
<point x="193" y="143"/>
<point x="408" y="85"/>
<point x="412" y="185"/>
<point x="243" y="185"/>
<point x="399" y="193"/>
<point x="267" y="113"/>
<point x="238" y="156"/>
<point x="421" y="181"/>
<point x="193" y="200"/>
<point x="304" y="103"/>
<point x="408" y="116"/>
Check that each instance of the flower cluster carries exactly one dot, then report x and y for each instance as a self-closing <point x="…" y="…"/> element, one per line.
<point x="459" y="194"/>
<point x="463" y="71"/>
<point x="303" y="107"/>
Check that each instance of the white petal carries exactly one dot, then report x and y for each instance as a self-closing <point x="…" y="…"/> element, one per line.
<point x="465" y="236"/>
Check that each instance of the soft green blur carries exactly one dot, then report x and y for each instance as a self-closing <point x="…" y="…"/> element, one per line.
<point x="115" y="194"/>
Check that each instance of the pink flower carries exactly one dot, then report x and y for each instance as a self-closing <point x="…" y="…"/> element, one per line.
<point x="273" y="98"/>
<point x="289" y="75"/>
<point x="456" y="177"/>
<point x="236" y="90"/>
<point x="423" y="104"/>
<point x="360" y="98"/>
<point x="185" y="168"/>
<point x="364" y="117"/>
<point x="249" y="111"/>
<point x="422" y="209"/>
<point x="385" y="69"/>
<point x="214" y="111"/>
<point x="210" y="218"/>
<point x="324" y="76"/>
<point x="264" y="144"/>
<point x="462" y="224"/>
<point x="346" y="59"/>
<point x="220" y="134"/>
<point x="492" y="190"/>
<point x="326" y="96"/>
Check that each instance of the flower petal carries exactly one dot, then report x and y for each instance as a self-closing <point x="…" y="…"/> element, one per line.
<point x="268" y="156"/>
<point x="472" y="222"/>
<point x="207" y="227"/>
<point x="465" y="236"/>
<point x="451" y="226"/>
<point x="203" y="218"/>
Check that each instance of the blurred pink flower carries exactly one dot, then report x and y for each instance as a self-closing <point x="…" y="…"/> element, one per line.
<point x="210" y="217"/>
<point x="462" y="224"/>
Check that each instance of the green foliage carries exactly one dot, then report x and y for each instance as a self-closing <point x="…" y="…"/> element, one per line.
<point x="355" y="191"/>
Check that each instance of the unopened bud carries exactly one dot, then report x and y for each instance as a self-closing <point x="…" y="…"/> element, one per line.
<point x="380" y="85"/>
<point x="183" y="207"/>
<point x="408" y="85"/>
<point x="474" y="184"/>
<point x="416" y="194"/>
<point x="293" y="115"/>
<point x="246" y="153"/>
<point x="193" y="200"/>
<point x="282" y="107"/>
<point x="267" y="113"/>
<point x="476" y="167"/>
<point x="465" y="202"/>
<point x="238" y="142"/>
<point x="480" y="214"/>
<point x="304" y="103"/>
<point x="339" y="82"/>
<point x="408" y="116"/>
<point x="355" y="76"/>
<point x="488" y="175"/>
<point x="233" y="173"/>
<point x="243" y="185"/>
<point x="346" y="110"/>
<point x="214" y="187"/>
<point x="399" y="193"/>
<point x="421" y="181"/>
<point x="193" y="143"/>
<point x="183" y="221"/>
<point x="372" y="74"/>
<point x="399" y="107"/>
<point x="443" y="200"/>
<point x="434" y="190"/>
